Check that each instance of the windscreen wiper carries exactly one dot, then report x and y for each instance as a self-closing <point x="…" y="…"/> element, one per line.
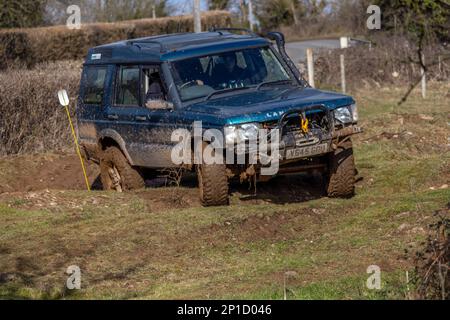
<point x="225" y="91"/>
<point x="243" y="88"/>
<point x="266" y="83"/>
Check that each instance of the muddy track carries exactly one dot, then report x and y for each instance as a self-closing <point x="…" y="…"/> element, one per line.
<point x="49" y="174"/>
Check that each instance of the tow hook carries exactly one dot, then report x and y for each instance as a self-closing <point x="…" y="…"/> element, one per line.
<point x="344" y="133"/>
<point x="347" y="131"/>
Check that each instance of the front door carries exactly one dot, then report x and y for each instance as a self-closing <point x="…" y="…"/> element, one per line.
<point x="144" y="124"/>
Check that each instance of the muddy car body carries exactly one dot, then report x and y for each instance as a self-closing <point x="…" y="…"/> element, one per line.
<point x="135" y="93"/>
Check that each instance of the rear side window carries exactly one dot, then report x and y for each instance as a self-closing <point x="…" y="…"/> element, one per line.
<point x="94" y="84"/>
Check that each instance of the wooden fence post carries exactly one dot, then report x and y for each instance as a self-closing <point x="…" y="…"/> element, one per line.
<point x="343" y="84"/>
<point x="310" y="62"/>
<point x="424" y="80"/>
<point x="197" y="17"/>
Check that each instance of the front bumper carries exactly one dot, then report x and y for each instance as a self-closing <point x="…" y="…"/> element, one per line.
<point x="323" y="145"/>
<point x="296" y="144"/>
<point x="291" y="148"/>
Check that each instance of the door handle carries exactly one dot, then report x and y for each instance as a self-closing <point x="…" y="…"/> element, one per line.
<point x="113" y="116"/>
<point x="141" y="118"/>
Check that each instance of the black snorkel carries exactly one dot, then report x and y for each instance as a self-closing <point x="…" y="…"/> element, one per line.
<point x="278" y="37"/>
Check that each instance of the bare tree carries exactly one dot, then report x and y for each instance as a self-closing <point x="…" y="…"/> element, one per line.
<point x="423" y="22"/>
<point x="294" y="12"/>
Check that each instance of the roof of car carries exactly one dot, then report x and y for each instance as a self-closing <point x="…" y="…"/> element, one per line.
<point x="176" y="46"/>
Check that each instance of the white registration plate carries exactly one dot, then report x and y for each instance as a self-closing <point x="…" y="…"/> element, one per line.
<point x="306" y="151"/>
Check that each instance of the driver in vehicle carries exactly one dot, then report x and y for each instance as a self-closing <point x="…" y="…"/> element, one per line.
<point x="229" y="69"/>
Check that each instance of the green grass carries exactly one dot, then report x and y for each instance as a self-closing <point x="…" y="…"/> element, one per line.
<point x="129" y="248"/>
<point x="393" y="286"/>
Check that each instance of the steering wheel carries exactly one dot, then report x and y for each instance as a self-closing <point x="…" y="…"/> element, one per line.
<point x="232" y="84"/>
<point x="188" y="84"/>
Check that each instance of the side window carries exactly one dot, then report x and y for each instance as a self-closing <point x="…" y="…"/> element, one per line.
<point x="127" y="86"/>
<point x="93" y="84"/>
<point x="152" y="84"/>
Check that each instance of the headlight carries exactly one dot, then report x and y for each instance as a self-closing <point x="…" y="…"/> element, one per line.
<point x="346" y="114"/>
<point x="240" y="133"/>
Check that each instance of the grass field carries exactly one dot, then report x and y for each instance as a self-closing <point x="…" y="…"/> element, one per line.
<point x="159" y="243"/>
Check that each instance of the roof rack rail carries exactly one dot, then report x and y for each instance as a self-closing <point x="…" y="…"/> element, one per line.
<point x="143" y="41"/>
<point x="219" y="30"/>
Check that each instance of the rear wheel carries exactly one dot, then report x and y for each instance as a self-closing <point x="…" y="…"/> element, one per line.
<point x="116" y="172"/>
<point x="213" y="184"/>
<point x="340" y="179"/>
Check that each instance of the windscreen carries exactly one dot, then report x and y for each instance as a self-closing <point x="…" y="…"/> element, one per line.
<point x="200" y="76"/>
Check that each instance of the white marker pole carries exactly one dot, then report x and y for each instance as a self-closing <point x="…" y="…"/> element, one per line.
<point x="64" y="101"/>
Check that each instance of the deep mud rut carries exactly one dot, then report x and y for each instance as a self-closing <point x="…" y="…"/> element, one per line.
<point x="40" y="172"/>
<point x="41" y="175"/>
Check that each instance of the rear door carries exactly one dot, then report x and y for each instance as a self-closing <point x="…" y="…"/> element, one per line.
<point x="91" y="101"/>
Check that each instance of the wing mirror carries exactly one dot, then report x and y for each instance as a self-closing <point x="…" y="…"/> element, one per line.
<point x="159" y="105"/>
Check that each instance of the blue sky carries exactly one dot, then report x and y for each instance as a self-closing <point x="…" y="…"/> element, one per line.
<point x="184" y="6"/>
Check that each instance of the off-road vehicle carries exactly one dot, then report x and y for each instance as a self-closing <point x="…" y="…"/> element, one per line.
<point x="135" y="93"/>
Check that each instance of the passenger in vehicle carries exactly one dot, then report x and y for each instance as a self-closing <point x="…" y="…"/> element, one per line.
<point x="155" y="88"/>
<point x="128" y="95"/>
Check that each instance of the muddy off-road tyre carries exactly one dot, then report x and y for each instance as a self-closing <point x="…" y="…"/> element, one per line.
<point x="340" y="178"/>
<point x="213" y="184"/>
<point x="116" y="173"/>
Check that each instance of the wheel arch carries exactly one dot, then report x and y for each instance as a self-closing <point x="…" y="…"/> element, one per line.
<point x="109" y="137"/>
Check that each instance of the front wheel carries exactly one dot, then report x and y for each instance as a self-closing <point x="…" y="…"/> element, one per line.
<point x="340" y="178"/>
<point x="116" y="173"/>
<point x="213" y="184"/>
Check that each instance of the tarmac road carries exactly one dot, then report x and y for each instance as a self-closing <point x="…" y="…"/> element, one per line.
<point x="297" y="50"/>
